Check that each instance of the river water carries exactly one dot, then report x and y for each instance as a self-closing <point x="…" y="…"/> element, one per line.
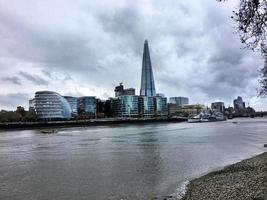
<point x="122" y="161"/>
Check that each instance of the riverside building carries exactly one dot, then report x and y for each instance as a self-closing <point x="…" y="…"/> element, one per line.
<point x="87" y="106"/>
<point x="179" y="101"/>
<point x="73" y="101"/>
<point x="160" y="106"/>
<point x="51" y="106"/>
<point x="125" y="106"/>
<point x="218" y="107"/>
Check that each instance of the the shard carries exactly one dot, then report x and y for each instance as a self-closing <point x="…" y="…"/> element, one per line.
<point x="147" y="79"/>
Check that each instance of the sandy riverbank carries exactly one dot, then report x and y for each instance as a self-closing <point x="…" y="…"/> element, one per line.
<point x="246" y="180"/>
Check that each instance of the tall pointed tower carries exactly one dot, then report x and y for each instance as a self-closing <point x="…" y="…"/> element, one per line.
<point x="147" y="79"/>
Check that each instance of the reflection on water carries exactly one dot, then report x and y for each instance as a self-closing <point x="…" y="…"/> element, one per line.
<point x="123" y="161"/>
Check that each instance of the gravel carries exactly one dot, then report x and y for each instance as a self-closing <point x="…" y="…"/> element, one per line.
<point x="246" y="180"/>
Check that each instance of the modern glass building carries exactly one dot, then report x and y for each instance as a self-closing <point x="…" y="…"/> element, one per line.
<point x="51" y="105"/>
<point x="160" y="105"/>
<point x="239" y="104"/>
<point x="87" y="106"/>
<point x="32" y="105"/>
<point x="147" y="79"/>
<point x="179" y="101"/>
<point x="125" y="106"/>
<point x="73" y="101"/>
<point x="146" y="106"/>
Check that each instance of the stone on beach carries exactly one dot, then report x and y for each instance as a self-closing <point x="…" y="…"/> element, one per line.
<point x="246" y="180"/>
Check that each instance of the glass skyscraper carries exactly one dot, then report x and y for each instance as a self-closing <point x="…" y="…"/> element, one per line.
<point x="147" y="79"/>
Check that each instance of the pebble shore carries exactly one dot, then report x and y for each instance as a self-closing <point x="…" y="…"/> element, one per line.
<point x="246" y="180"/>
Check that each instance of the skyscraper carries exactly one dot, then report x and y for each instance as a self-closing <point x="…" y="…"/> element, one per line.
<point x="147" y="79"/>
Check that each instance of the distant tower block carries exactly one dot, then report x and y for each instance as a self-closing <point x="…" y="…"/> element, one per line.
<point x="147" y="79"/>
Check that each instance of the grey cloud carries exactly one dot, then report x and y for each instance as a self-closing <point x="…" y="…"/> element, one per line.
<point x="13" y="79"/>
<point x="192" y="46"/>
<point x="34" y="78"/>
<point x="13" y="100"/>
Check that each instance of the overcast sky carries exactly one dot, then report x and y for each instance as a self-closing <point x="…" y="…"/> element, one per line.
<point x="87" y="47"/>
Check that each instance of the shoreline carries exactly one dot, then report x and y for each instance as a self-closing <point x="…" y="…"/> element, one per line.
<point x="83" y="123"/>
<point x="246" y="180"/>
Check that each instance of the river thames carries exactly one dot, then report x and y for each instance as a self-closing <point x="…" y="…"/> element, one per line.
<point x="142" y="161"/>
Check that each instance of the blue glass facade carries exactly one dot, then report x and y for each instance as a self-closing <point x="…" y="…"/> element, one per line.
<point x="51" y="105"/>
<point x="147" y="79"/>
<point x="161" y="108"/>
<point x="146" y="106"/>
<point x="87" y="106"/>
<point x="73" y="101"/>
<point x="125" y="106"/>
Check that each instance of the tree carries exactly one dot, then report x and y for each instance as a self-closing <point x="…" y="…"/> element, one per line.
<point x="251" y="18"/>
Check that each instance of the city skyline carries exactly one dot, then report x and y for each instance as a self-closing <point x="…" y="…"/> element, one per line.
<point x="190" y="54"/>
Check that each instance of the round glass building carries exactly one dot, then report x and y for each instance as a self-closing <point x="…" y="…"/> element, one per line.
<point x="51" y="105"/>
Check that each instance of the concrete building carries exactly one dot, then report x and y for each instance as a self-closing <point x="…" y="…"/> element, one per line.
<point x="186" y="110"/>
<point x="218" y="107"/>
<point x="119" y="91"/>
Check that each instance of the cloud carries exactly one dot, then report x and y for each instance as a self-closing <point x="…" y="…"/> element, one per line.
<point x="13" y="79"/>
<point x="34" y="78"/>
<point x="87" y="48"/>
<point x="14" y="100"/>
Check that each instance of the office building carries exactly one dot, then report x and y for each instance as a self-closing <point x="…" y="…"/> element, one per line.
<point x="51" y="105"/>
<point x="73" y="101"/>
<point x="125" y="106"/>
<point x="87" y="106"/>
<point x="119" y="91"/>
<point x="32" y="105"/>
<point x="147" y="79"/>
<point x="129" y="91"/>
<point x="218" y="107"/>
<point x="239" y="104"/>
<point x="179" y="101"/>
<point x="186" y="110"/>
<point x="146" y="106"/>
<point x="160" y="106"/>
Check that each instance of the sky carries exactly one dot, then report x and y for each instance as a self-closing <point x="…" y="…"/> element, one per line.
<point x="86" y="48"/>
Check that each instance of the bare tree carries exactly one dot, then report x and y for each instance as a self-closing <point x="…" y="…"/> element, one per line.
<point x="251" y="18"/>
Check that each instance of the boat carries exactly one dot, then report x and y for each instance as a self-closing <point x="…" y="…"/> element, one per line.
<point x="207" y="117"/>
<point x="49" y="131"/>
<point x="194" y="119"/>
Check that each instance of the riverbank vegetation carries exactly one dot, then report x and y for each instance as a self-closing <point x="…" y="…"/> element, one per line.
<point x="19" y="115"/>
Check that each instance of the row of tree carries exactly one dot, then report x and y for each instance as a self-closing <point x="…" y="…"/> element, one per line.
<point x="19" y="115"/>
